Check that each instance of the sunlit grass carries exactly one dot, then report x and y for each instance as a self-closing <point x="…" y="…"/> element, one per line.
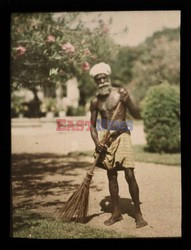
<point x="27" y="224"/>
<point x="141" y="155"/>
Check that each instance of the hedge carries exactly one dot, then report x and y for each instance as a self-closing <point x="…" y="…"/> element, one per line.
<point x="161" y="117"/>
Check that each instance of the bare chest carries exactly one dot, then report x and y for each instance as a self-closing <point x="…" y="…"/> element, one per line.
<point x="107" y="105"/>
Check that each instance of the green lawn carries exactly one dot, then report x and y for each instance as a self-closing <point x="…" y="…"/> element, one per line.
<point x="141" y="155"/>
<point x="27" y="224"/>
<point x="165" y="158"/>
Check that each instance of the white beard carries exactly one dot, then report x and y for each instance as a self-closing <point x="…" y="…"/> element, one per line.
<point x="104" y="89"/>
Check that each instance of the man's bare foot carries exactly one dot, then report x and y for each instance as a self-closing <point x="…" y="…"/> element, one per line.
<point x="140" y="222"/>
<point x="113" y="219"/>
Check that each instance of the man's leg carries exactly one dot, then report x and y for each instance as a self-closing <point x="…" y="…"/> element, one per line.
<point x="134" y="192"/>
<point x="114" y="193"/>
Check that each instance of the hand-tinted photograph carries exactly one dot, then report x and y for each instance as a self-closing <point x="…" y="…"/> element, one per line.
<point x="95" y="125"/>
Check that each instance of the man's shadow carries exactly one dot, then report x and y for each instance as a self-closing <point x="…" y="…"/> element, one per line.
<point x="126" y="206"/>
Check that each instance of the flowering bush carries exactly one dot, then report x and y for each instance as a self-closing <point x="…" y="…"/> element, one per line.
<point x="87" y="52"/>
<point x="85" y="66"/>
<point x="20" y="50"/>
<point x="46" y="49"/>
<point x="51" y="39"/>
<point x="68" y="48"/>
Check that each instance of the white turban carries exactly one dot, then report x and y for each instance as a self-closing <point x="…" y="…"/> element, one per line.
<point x="100" y="68"/>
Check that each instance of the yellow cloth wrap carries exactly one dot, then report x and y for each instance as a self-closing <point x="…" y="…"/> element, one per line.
<point x="119" y="152"/>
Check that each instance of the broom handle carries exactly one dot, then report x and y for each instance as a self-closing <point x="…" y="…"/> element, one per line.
<point x="107" y="136"/>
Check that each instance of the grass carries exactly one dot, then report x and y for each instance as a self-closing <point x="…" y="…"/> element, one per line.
<point x="27" y="224"/>
<point x="141" y="155"/>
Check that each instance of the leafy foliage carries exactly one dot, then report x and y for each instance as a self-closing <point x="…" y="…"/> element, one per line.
<point x="87" y="88"/>
<point x="122" y="66"/>
<point x="49" y="105"/>
<point x="149" y="64"/>
<point x="46" y="49"/>
<point x="161" y="116"/>
<point x="17" y="105"/>
<point x="80" y="111"/>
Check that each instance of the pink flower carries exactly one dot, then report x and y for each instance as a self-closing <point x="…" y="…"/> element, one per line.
<point x="50" y="39"/>
<point x="20" y="50"/>
<point x="87" y="52"/>
<point x="86" y="66"/>
<point x="68" y="48"/>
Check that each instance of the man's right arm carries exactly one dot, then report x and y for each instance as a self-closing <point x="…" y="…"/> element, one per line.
<point x="94" y="113"/>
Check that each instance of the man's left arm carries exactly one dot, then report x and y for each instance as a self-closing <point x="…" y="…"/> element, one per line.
<point x="125" y="98"/>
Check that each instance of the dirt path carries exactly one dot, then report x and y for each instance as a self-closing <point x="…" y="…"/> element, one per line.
<point x="42" y="183"/>
<point x="43" y="179"/>
<point x="160" y="197"/>
<point x="45" y="138"/>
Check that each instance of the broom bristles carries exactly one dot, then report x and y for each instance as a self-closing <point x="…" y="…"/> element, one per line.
<point x="76" y="207"/>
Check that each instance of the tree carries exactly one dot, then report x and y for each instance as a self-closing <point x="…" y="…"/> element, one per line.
<point x="122" y="66"/>
<point x="159" y="61"/>
<point x="148" y="64"/>
<point x="46" y="49"/>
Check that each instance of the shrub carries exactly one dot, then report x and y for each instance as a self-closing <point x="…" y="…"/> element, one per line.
<point x="71" y="111"/>
<point x="49" y="105"/>
<point x="161" y="116"/>
<point x="17" y="105"/>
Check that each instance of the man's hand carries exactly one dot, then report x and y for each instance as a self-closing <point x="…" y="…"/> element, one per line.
<point x="123" y="95"/>
<point x="100" y="148"/>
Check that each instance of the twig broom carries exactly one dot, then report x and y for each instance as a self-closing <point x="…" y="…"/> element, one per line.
<point x="76" y="207"/>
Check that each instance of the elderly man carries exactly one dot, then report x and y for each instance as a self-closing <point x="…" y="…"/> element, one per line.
<point x="117" y="154"/>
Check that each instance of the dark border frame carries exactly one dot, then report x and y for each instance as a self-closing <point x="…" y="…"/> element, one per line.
<point x="8" y="7"/>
